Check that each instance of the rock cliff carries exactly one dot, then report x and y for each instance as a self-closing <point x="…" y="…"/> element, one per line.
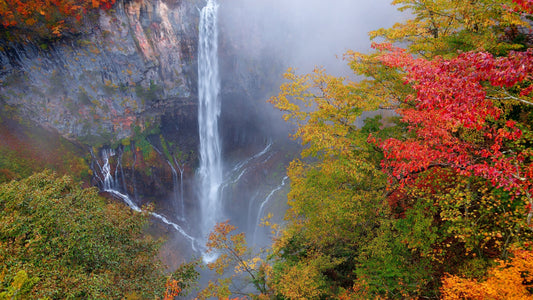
<point x="137" y="60"/>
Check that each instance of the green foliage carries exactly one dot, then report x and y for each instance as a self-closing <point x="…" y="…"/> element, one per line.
<point x="149" y="94"/>
<point x="441" y="27"/>
<point x="187" y="275"/>
<point x="389" y="268"/>
<point x="76" y="243"/>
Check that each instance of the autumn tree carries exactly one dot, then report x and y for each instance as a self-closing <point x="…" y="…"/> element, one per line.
<point x="507" y="280"/>
<point x="441" y="27"/>
<point x="462" y="118"/>
<point x="339" y="226"/>
<point x="458" y="160"/>
<point x="45" y="19"/>
<point x="58" y="241"/>
<point x="235" y="265"/>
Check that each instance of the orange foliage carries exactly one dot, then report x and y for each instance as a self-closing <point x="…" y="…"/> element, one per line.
<point x="172" y="289"/>
<point x="508" y="280"/>
<point x="47" y="18"/>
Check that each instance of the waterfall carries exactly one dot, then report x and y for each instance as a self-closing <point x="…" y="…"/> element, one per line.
<point x="210" y="171"/>
<point x="110" y="185"/>
<point x="242" y="168"/>
<point x="181" y="200"/>
<point x="109" y="181"/>
<point x="262" y="206"/>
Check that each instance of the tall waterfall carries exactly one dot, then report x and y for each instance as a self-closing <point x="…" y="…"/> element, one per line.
<point x="210" y="171"/>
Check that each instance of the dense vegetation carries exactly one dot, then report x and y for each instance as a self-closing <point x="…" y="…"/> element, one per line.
<point x="45" y="19"/>
<point x="58" y="241"/>
<point x="435" y="202"/>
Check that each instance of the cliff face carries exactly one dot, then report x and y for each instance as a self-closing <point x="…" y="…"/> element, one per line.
<point x="137" y="61"/>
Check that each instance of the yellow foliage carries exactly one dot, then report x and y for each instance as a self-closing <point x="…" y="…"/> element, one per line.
<point x="325" y="107"/>
<point x="300" y="282"/>
<point x="437" y="22"/>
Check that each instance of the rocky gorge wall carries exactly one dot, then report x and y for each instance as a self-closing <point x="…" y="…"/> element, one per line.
<point x="137" y="60"/>
<point x="126" y="82"/>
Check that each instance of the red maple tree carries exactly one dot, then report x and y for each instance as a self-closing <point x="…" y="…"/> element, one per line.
<point x="458" y="118"/>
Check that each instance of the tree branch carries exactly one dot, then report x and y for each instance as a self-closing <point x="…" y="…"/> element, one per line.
<point x="509" y="96"/>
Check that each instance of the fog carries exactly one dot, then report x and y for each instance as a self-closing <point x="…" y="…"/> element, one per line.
<point x="305" y="33"/>
<point x="258" y="41"/>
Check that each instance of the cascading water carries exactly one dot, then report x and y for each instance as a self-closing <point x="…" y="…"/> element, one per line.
<point x="110" y="185"/>
<point x="241" y="169"/>
<point x="260" y="213"/>
<point x="181" y="200"/>
<point x="210" y="172"/>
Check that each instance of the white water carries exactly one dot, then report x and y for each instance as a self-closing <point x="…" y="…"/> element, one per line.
<point x="178" y="195"/>
<point x="260" y="212"/>
<point x="210" y="171"/>
<point x="111" y="187"/>
<point x="243" y="163"/>
<point x="181" y="200"/>
<point x="109" y="181"/>
<point x="242" y="169"/>
<point x="262" y="207"/>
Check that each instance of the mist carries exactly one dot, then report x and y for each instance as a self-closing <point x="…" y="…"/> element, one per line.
<point x="259" y="40"/>
<point x="305" y="33"/>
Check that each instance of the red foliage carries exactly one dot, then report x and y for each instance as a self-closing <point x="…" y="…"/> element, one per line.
<point x="525" y="5"/>
<point x="454" y="121"/>
<point x="47" y="17"/>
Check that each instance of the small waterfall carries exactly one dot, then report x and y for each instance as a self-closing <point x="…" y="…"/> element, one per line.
<point x="181" y="200"/>
<point x="260" y="212"/>
<point x="178" y="190"/>
<point x="110" y="185"/>
<point x="178" y="193"/>
<point x="109" y="181"/>
<point x="210" y="171"/>
<point x="242" y="168"/>
<point x="262" y="206"/>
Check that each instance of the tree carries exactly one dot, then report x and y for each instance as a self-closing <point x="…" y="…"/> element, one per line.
<point x="508" y="280"/>
<point x="442" y="27"/>
<point x="458" y="160"/>
<point x="461" y="118"/>
<point x="58" y="241"/>
<point x="337" y="201"/>
<point x="524" y="6"/>
<point x="233" y="256"/>
<point x="40" y="19"/>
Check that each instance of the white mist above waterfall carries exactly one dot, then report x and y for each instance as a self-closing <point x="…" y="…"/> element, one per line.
<point x="210" y="172"/>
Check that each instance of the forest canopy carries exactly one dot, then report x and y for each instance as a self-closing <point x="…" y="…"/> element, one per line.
<point x="58" y="241"/>
<point x="432" y="198"/>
